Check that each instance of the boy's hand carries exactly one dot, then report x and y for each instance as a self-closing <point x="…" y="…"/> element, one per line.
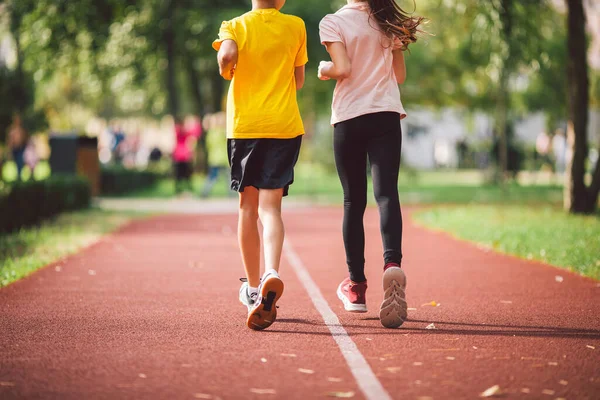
<point x="231" y="73"/>
<point x="323" y="67"/>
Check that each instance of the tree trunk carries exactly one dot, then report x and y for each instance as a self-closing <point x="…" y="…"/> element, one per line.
<point x="194" y="79"/>
<point x="217" y="92"/>
<point x="169" y="38"/>
<point x="578" y="198"/>
<point x="503" y="89"/>
<point x="195" y="82"/>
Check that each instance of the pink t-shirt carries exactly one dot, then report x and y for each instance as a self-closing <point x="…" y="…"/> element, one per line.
<point x="372" y="86"/>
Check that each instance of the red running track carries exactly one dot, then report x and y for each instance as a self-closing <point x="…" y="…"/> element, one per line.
<point x="151" y="312"/>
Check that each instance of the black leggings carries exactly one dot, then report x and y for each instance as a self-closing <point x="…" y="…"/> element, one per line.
<point x="378" y="136"/>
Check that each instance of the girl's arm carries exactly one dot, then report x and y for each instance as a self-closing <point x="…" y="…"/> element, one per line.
<point x="340" y="66"/>
<point x="399" y="66"/>
<point x="300" y="75"/>
<point x="228" y="58"/>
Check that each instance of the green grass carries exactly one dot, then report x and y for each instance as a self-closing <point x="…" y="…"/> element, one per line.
<point x="26" y="251"/>
<point x="542" y="233"/>
<point x="435" y="187"/>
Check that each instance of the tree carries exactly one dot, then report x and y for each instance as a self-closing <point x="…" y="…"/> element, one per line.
<point x="579" y="198"/>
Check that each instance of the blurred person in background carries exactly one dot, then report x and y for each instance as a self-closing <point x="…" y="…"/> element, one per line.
<point x="542" y="148"/>
<point x="216" y="144"/>
<point x="559" y="149"/>
<point x="17" y="142"/>
<point x="182" y="156"/>
<point x="31" y="157"/>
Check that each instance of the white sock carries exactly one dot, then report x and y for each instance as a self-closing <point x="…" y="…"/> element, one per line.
<point x="252" y="291"/>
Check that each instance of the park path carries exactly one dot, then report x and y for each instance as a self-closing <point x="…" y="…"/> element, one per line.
<point x="151" y="312"/>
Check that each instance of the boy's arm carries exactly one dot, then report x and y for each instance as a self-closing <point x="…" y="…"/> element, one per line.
<point x="300" y="74"/>
<point x="340" y="66"/>
<point x="228" y="58"/>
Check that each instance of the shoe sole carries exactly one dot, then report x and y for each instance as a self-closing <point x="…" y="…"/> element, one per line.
<point x="350" y="307"/>
<point x="264" y="314"/>
<point x="393" y="311"/>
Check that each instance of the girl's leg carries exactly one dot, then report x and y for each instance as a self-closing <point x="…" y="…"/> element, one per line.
<point x="248" y="236"/>
<point x="351" y="162"/>
<point x="269" y="211"/>
<point x="384" y="153"/>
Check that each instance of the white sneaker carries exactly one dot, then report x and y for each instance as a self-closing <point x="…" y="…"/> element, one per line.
<point x="264" y="311"/>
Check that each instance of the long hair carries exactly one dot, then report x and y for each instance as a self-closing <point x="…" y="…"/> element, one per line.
<point x="394" y="22"/>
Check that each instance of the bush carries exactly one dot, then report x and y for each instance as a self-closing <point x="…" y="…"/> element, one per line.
<point x="117" y="181"/>
<point x="24" y="204"/>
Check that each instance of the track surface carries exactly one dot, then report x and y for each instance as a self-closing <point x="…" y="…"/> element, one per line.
<point x="151" y="312"/>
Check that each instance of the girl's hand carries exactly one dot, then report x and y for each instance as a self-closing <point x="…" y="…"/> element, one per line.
<point x="323" y="67"/>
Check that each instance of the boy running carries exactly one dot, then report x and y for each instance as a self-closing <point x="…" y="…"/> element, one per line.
<point x="263" y="53"/>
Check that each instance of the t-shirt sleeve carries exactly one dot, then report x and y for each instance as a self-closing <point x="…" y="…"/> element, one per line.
<point x="329" y="31"/>
<point x="226" y="32"/>
<point x="302" y="56"/>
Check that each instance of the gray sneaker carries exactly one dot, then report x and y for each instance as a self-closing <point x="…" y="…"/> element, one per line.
<point x="393" y="310"/>
<point x="245" y="298"/>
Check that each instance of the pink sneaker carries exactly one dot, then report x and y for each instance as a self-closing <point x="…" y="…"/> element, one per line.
<point x="353" y="295"/>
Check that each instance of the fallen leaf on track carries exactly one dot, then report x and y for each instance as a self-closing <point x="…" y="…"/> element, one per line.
<point x="563" y="382"/>
<point x="143" y="376"/>
<point x="506" y="301"/>
<point x="450" y="358"/>
<point x="91" y="272"/>
<point x="553" y="363"/>
<point x="490" y="392"/>
<point x="411" y="309"/>
<point x="342" y="395"/>
<point x="330" y="379"/>
<point x="264" y="360"/>
<point x="288" y="355"/>
<point x="559" y="278"/>
<point x="306" y="371"/>
<point x="202" y="396"/>
<point x="263" y="391"/>
<point x="548" y="392"/>
<point x="393" y="370"/>
<point x="7" y="384"/>
<point x="58" y="268"/>
<point x="417" y="363"/>
<point x="590" y="347"/>
<point x="431" y="304"/>
<point x="525" y="390"/>
<point x="430" y="326"/>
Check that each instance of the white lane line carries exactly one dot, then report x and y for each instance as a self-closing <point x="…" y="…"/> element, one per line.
<point x="365" y="378"/>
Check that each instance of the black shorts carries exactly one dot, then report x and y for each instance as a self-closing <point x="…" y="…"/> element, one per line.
<point x="263" y="163"/>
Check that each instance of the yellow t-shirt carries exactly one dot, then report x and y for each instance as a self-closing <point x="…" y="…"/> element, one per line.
<point x="262" y="99"/>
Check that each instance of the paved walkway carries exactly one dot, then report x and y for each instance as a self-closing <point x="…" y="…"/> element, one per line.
<point x="151" y="312"/>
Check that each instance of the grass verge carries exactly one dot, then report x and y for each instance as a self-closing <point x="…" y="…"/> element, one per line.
<point x="26" y="251"/>
<point x="546" y="233"/>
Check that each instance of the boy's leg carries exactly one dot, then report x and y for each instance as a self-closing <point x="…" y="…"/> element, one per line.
<point x="269" y="210"/>
<point x="248" y="236"/>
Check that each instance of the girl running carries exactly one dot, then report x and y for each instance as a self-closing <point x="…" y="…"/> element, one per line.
<point x="366" y="40"/>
